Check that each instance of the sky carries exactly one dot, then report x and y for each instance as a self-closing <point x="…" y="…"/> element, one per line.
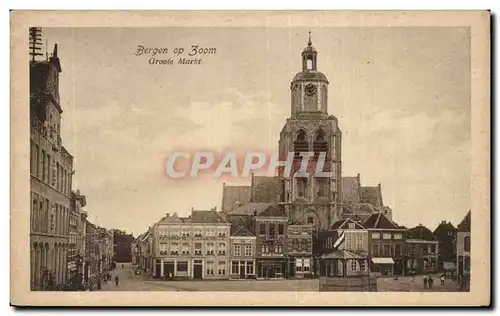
<point x="401" y="95"/>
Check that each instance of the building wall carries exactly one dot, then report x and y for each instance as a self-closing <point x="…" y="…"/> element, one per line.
<point x="300" y="247"/>
<point x="463" y="252"/>
<point x="190" y="243"/>
<point x="242" y="256"/>
<point x="422" y="256"/>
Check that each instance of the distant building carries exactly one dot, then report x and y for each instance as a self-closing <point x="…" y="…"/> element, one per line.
<point x="300" y="250"/>
<point x="77" y="230"/>
<point x="195" y="247"/>
<point x="270" y="230"/>
<point x="386" y="242"/>
<point x="242" y="245"/>
<point x="464" y="247"/>
<point x="446" y="235"/>
<point x="422" y="249"/>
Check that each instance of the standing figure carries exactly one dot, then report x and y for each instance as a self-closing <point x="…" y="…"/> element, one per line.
<point x="117" y="279"/>
<point x="425" y="281"/>
<point x="442" y="279"/>
<point x="431" y="281"/>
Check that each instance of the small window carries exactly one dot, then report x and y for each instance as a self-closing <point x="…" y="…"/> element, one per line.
<point x="272" y="230"/>
<point x="182" y="266"/>
<point x="398" y="236"/>
<point x="386" y="236"/>
<point x="354" y="265"/>
<point x="262" y="229"/>
<point x="310" y="220"/>
<point x="352" y="225"/>
<point x="376" y="235"/>
<point x="281" y="229"/>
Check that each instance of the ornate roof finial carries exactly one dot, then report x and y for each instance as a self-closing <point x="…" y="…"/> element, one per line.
<point x="309" y="43"/>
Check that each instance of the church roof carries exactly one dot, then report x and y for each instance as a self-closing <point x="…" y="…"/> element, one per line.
<point x="250" y="208"/>
<point x="350" y="190"/>
<point x="232" y="195"/>
<point x="266" y="189"/>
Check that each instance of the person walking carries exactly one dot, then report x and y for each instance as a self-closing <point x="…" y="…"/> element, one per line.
<point x="442" y="279"/>
<point x="430" y="281"/>
<point x="425" y="281"/>
<point x="117" y="279"/>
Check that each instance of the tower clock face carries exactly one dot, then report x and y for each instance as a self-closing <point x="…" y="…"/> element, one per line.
<point x="311" y="89"/>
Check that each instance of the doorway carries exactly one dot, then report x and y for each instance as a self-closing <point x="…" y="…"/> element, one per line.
<point x="197" y="270"/>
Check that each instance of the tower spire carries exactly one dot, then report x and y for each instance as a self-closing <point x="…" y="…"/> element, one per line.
<point x="309" y="43"/>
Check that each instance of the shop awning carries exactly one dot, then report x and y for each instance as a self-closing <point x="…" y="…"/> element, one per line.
<point x="449" y="265"/>
<point x="382" y="260"/>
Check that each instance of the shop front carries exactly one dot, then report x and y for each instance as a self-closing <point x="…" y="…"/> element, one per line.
<point x="271" y="269"/>
<point x="242" y="269"/>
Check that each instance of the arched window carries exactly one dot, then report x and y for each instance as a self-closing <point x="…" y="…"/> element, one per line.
<point x="300" y="144"/>
<point x="320" y="144"/>
<point x="309" y="63"/>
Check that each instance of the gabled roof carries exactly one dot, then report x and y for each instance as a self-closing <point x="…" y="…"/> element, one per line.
<point x="379" y="221"/>
<point x="421" y="232"/>
<point x="464" y="225"/>
<point x="242" y="231"/>
<point x="273" y="211"/>
<point x="343" y="224"/>
<point x="171" y="220"/>
<point x="444" y="227"/>
<point x="208" y="217"/>
<point x="250" y="209"/>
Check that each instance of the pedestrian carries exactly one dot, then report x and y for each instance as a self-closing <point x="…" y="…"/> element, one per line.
<point x="413" y="275"/>
<point x="122" y="266"/>
<point x="430" y="281"/>
<point x="117" y="279"/>
<point x="442" y="279"/>
<point x="425" y="281"/>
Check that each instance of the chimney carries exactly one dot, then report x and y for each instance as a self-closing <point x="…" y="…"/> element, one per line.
<point x="167" y="215"/>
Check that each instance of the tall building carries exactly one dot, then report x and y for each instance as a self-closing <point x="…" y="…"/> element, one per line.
<point x="312" y="199"/>
<point x="51" y="174"/>
<point x="76" y="246"/>
<point x="464" y="250"/>
<point x="446" y="234"/>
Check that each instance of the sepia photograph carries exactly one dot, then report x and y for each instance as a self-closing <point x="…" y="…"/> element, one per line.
<point x="251" y="152"/>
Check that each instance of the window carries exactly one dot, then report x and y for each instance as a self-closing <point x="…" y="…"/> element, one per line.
<point x="398" y="236"/>
<point x="163" y="248"/>
<point x="264" y="248"/>
<point x="397" y="250"/>
<point x="197" y="232"/>
<point x="48" y="168"/>
<point x="467" y="243"/>
<point x="322" y="187"/>
<point x="354" y="265"/>
<point x="352" y="225"/>
<point x="301" y="187"/>
<point x="182" y="266"/>
<point x="281" y="229"/>
<point x="174" y="248"/>
<point x="44" y="174"/>
<point x="299" y="262"/>
<point x="467" y="263"/>
<point x="37" y="149"/>
<point x="210" y="233"/>
<point x="249" y="267"/>
<point x="185" y="248"/>
<point x="362" y="265"/>
<point x="237" y="250"/>
<point x="222" y="248"/>
<point x="221" y="233"/>
<point x="375" y="250"/>
<point x="307" y="265"/>
<point x="221" y="270"/>
<point x="272" y="229"/>
<point x="262" y="229"/>
<point x="185" y="232"/>
<point x="359" y="242"/>
<point x="433" y="249"/>
<point x="386" y="236"/>
<point x="310" y="220"/>
<point x="210" y="248"/>
<point x="375" y="235"/>
<point x="387" y="250"/>
<point x="235" y="267"/>
<point x="248" y="250"/>
<point x="279" y="249"/>
<point x="210" y="268"/>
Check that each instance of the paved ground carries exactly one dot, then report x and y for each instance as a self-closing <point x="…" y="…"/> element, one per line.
<point x="131" y="282"/>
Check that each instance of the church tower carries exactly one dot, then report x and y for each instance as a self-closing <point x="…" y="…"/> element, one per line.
<point x="312" y="199"/>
